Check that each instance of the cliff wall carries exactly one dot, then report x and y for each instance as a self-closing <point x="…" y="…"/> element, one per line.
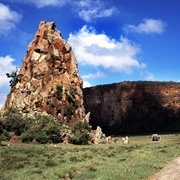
<point x="134" y="107"/>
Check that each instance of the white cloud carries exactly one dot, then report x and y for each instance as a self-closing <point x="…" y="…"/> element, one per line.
<point x="98" y="74"/>
<point x="8" y="19"/>
<point x="89" y="10"/>
<point x="86" y="84"/>
<point x="6" y="66"/>
<point x="2" y="99"/>
<point x="99" y="50"/>
<point x="148" y="26"/>
<point x="44" y="3"/>
<point x="148" y="76"/>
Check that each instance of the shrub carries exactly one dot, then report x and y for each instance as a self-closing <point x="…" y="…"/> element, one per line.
<point x="50" y="163"/>
<point x="1" y="131"/>
<point x="14" y="121"/>
<point x="42" y="138"/>
<point x="79" y="126"/>
<point x="5" y="136"/>
<point x="27" y="137"/>
<point x="68" y="111"/>
<point x="81" y="133"/>
<point x="54" y="138"/>
<point x="80" y="138"/>
<point x="59" y="91"/>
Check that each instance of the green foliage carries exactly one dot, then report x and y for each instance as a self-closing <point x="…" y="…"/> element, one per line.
<point x="80" y="126"/>
<point x="81" y="133"/>
<point x="69" y="98"/>
<point x="53" y="133"/>
<point x="42" y="137"/>
<point x="50" y="163"/>
<point x="42" y="129"/>
<point x="27" y="137"/>
<point x="80" y="138"/>
<point x="59" y="91"/>
<point x="68" y="111"/>
<point x="5" y="136"/>
<point x="13" y="121"/>
<point x="13" y="77"/>
<point x="1" y="127"/>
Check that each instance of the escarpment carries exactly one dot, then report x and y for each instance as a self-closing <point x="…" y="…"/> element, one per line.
<point x="48" y="80"/>
<point x="134" y="107"/>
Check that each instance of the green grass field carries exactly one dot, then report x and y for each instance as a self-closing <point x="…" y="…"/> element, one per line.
<point x="137" y="160"/>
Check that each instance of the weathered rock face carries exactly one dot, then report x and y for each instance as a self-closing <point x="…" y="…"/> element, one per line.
<point x="134" y="107"/>
<point x="48" y="80"/>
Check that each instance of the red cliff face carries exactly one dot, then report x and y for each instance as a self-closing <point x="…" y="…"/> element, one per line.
<point x="134" y="107"/>
<point x="48" y="80"/>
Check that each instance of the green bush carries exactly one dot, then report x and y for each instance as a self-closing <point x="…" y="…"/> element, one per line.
<point x="53" y="133"/>
<point x="68" y="111"/>
<point x="13" y="121"/>
<point x="5" y="136"/>
<point x="81" y="133"/>
<point x="1" y="130"/>
<point x="54" y="138"/>
<point x="59" y="91"/>
<point x="79" y="126"/>
<point x="42" y="138"/>
<point x="80" y="138"/>
<point x="27" y="137"/>
<point x="43" y="129"/>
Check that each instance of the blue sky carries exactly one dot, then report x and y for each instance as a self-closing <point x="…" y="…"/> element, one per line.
<point x="113" y="40"/>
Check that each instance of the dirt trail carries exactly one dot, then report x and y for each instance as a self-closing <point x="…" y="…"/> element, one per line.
<point x="170" y="172"/>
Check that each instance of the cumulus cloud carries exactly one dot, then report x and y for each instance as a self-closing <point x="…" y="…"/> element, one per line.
<point x="89" y="10"/>
<point x="2" y="99"/>
<point x="99" y="50"/>
<point x="98" y="74"/>
<point x="44" y="3"/>
<point x="148" y="26"/>
<point x="86" y="84"/>
<point x="148" y="76"/>
<point x="8" y="19"/>
<point x="6" y="66"/>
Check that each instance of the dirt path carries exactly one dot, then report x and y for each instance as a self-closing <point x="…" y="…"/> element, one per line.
<point x="170" y="172"/>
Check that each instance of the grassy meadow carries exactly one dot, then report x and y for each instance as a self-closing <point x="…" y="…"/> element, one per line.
<point x="137" y="160"/>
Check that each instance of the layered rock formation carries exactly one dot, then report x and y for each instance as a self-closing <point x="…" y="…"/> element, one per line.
<point x="48" y="80"/>
<point x="134" y="107"/>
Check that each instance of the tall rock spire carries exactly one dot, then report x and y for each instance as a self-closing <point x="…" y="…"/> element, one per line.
<point x="48" y="80"/>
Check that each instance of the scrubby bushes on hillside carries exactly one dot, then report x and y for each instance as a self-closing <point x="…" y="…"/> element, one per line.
<point x="13" y="121"/>
<point x="41" y="129"/>
<point x="4" y="134"/>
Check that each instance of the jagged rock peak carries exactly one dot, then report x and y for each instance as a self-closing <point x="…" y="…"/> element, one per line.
<point x="48" y="80"/>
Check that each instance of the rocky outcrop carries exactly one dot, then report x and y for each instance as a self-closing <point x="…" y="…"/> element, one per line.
<point x="134" y="107"/>
<point x="48" y="80"/>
